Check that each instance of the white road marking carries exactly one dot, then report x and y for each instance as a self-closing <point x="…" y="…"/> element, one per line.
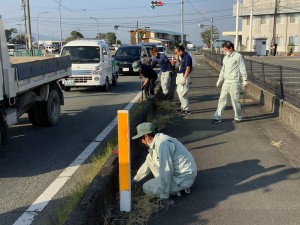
<point x="42" y="201"/>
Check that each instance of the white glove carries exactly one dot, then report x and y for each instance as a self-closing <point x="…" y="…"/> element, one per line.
<point x="182" y="81"/>
<point x="133" y="181"/>
<point x="245" y="83"/>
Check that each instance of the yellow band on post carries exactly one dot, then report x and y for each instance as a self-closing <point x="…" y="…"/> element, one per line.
<point x="124" y="149"/>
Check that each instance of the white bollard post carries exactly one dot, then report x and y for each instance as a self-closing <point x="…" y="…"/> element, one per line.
<point x="124" y="160"/>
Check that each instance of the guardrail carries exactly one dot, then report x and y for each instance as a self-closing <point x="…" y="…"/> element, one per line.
<point x="282" y="81"/>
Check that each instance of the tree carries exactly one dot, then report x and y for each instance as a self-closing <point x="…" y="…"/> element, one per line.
<point x="101" y="36"/>
<point x="9" y="32"/>
<point x="19" y="39"/>
<point x="75" y="35"/>
<point x="111" y="37"/>
<point x="206" y="35"/>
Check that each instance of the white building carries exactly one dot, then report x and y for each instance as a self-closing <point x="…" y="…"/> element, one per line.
<point x="287" y="24"/>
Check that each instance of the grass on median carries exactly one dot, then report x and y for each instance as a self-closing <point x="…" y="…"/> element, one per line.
<point x="96" y="163"/>
<point x="147" y="207"/>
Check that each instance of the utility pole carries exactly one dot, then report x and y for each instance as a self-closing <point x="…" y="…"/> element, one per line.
<point x="251" y="25"/>
<point x="60" y="27"/>
<point x="28" y="24"/>
<point x="20" y="30"/>
<point x="236" y="41"/>
<point x="273" y="42"/>
<point x="137" y="32"/>
<point x="182" y="24"/>
<point x="212" y="35"/>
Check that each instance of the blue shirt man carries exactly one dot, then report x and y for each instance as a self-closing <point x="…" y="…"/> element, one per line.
<point x="148" y="73"/>
<point x="186" y="62"/>
<point x="166" y="70"/>
<point x="183" y="79"/>
<point x="163" y="62"/>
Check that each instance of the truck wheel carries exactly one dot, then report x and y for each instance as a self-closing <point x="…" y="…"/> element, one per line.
<point x="51" y="109"/>
<point x="3" y="131"/>
<point x="105" y="87"/>
<point x="36" y="114"/>
<point x="115" y="79"/>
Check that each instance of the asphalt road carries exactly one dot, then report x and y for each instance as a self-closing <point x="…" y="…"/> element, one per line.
<point x="36" y="156"/>
<point x="289" y="61"/>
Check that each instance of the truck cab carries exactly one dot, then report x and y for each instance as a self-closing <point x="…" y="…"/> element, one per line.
<point x="92" y="64"/>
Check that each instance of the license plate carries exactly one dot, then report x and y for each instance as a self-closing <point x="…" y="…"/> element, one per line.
<point x="126" y="69"/>
<point x="69" y="82"/>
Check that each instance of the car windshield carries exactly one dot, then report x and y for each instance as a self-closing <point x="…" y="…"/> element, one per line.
<point x="160" y="48"/>
<point x="82" y="54"/>
<point x="129" y="52"/>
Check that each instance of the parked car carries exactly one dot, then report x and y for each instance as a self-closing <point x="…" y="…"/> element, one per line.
<point x="127" y="54"/>
<point x="162" y="50"/>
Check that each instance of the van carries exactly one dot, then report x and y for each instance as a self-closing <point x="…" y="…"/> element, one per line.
<point x="127" y="54"/>
<point x="162" y="50"/>
<point x="92" y="64"/>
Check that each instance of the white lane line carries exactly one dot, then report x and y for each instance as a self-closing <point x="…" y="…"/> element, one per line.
<point x="42" y="201"/>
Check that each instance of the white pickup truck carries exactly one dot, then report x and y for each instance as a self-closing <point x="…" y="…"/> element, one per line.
<point x="30" y="87"/>
<point x="92" y="64"/>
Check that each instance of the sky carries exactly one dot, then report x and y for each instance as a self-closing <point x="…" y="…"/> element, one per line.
<point x="76" y="15"/>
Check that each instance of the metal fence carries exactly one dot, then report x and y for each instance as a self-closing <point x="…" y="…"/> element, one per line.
<point x="282" y="81"/>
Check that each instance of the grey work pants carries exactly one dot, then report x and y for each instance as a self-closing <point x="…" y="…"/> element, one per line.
<point x="165" y="80"/>
<point x="232" y="89"/>
<point x="182" y="91"/>
<point x="153" y="186"/>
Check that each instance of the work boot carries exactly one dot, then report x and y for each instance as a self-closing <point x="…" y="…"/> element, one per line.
<point x="236" y="121"/>
<point x="185" y="112"/>
<point x="215" y="121"/>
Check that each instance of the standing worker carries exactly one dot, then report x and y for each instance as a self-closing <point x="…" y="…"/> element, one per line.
<point x="233" y="69"/>
<point x="183" y="79"/>
<point x="171" y="164"/>
<point x="149" y="74"/>
<point x="166" y="70"/>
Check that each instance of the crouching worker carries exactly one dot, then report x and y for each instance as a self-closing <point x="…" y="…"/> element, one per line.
<point x="171" y="164"/>
<point x="149" y="74"/>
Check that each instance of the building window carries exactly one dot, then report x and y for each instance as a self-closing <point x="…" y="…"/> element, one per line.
<point x="279" y="19"/>
<point x="293" y="40"/>
<point x="294" y="18"/>
<point x="263" y="20"/>
<point x="248" y="20"/>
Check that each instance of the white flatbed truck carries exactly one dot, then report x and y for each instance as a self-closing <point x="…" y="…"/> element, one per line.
<point x="30" y="87"/>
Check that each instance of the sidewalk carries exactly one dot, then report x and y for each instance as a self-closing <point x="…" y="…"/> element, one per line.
<point x="248" y="173"/>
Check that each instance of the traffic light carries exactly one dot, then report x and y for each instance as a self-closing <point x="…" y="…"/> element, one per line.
<point x="156" y="3"/>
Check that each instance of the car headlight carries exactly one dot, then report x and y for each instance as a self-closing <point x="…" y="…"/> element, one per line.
<point x="96" y="78"/>
<point x="97" y="70"/>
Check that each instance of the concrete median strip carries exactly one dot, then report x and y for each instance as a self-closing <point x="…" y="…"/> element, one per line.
<point x="43" y="200"/>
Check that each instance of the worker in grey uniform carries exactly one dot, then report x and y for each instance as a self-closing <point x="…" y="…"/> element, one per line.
<point x="171" y="164"/>
<point x="232" y="71"/>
